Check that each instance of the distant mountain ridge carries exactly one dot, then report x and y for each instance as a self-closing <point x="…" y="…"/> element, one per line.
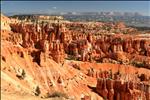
<point x="80" y="13"/>
<point x="131" y="19"/>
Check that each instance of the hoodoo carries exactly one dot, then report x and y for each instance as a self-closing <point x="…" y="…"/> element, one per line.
<point x="73" y="60"/>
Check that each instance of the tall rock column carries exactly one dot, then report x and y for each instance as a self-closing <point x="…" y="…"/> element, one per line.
<point x="110" y="89"/>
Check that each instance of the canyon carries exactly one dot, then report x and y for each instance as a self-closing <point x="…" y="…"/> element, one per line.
<point x="74" y="60"/>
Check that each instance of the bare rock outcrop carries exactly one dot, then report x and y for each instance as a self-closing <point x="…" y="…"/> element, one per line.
<point x="122" y="90"/>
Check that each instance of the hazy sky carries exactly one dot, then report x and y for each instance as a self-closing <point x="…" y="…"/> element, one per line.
<point x="142" y="7"/>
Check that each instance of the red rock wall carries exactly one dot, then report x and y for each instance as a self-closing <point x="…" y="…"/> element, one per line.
<point x="119" y="90"/>
<point x="84" y="47"/>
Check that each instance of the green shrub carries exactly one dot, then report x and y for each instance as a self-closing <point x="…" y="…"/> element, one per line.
<point x="22" y="75"/>
<point x="57" y="94"/>
<point x="37" y="91"/>
<point x="138" y="64"/>
<point x="77" y="67"/>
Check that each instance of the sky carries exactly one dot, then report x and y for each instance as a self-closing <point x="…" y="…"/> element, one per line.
<point x="142" y="7"/>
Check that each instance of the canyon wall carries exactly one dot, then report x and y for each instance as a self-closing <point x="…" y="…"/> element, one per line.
<point x="122" y="90"/>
